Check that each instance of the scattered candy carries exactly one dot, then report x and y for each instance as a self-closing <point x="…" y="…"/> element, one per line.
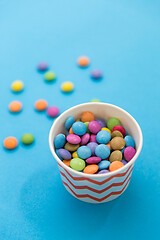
<point x="96" y="74"/>
<point x="10" y="143"/>
<point x="17" y="86"/>
<point x="49" y="76"/>
<point x="67" y="86"/>
<point x="42" y="66"/>
<point x="27" y="139"/>
<point x="52" y="111"/>
<point x="91" y="147"/>
<point x="83" y="61"/>
<point x="41" y="105"/>
<point x="15" y="107"/>
<point x="95" y="100"/>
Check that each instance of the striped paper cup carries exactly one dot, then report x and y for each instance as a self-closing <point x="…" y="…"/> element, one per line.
<point x="97" y="188"/>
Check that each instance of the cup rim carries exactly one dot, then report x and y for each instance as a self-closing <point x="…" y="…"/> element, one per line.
<point x="85" y="175"/>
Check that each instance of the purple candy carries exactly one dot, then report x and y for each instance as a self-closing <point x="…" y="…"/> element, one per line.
<point x="103" y="171"/>
<point x="65" y="154"/>
<point x="85" y="139"/>
<point x="73" y="139"/>
<point x="102" y="123"/>
<point x="93" y="138"/>
<point x="124" y="162"/>
<point x="92" y="146"/>
<point x="42" y="66"/>
<point x="94" y="127"/>
<point x="96" y="74"/>
<point x="93" y="160"/>
<point x="129" y="153"/>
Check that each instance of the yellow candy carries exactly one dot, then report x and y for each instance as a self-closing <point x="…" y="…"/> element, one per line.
<point x="74" y="154"/>
<point x="107" y="129"/>
<point x="67" y="86"/>
<point x="17" y="86"/>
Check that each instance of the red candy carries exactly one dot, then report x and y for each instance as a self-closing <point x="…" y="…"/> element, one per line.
<point x="120" y="129"/>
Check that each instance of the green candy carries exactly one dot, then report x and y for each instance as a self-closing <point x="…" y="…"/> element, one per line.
<point x="77" y="164"/>
<point x="27" y="139"/>
<point x="49" y="76"/>
<point x="95" y="100"/>
<point x="113" y="122"/>
<point x="86" y="123"/>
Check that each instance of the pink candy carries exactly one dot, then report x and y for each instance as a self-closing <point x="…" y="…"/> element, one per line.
<point x="73" y="139"/>
<point x="85" y="139"/>
<point x="93" y="138"/>
<point x="93" y="160"/>
<point x="52" y="111"/>
<point x="94" y="127"/>
<point x="129" y="153"/>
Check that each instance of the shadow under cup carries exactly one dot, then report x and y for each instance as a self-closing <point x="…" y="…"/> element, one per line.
<point x="97" y="188"/>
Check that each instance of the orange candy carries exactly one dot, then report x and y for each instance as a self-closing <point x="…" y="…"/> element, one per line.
<point x="108" y="144"/>
<point x="87" y="117"/>
<point x="115" y="165"/>
<point x="15" y="106"/>
<point x="71" y="131"/>
<point x="10" y="143"/>
<point x="41" y="105"/>
<point x="83" y="61"/>
<point x="91" y="169"/>
<point x="67" y="162"/>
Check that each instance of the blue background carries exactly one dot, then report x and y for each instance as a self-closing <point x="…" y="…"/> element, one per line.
<point x="121" y="38"/>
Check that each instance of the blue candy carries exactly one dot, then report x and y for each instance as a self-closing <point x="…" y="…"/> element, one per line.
<point x="102" y="151"/>
<point x="84" y="152"/>
<point x="103" y="136"/>
<point x="58" y="154"/>
<point x="103" y="164"/>
<point x="68" y="124"/>
<point x="59" y="140"/>
<point x="79" y="128"/>
<point x="129" y="141"/>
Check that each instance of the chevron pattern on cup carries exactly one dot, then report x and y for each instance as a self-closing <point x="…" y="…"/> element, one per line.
<point x="96" y="189"/>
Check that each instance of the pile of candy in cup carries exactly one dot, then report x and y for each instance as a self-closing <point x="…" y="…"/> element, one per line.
<point x="94" y="146"/>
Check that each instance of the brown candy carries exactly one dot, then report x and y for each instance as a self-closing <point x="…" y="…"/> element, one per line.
<point x="115" y="156"/>
<point x="116" y="134"/>
<point x="71" y="147"/>
<point x="117" y="143"/>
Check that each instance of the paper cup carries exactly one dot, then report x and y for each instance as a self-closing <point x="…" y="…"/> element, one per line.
<point x="97" y="188"/>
